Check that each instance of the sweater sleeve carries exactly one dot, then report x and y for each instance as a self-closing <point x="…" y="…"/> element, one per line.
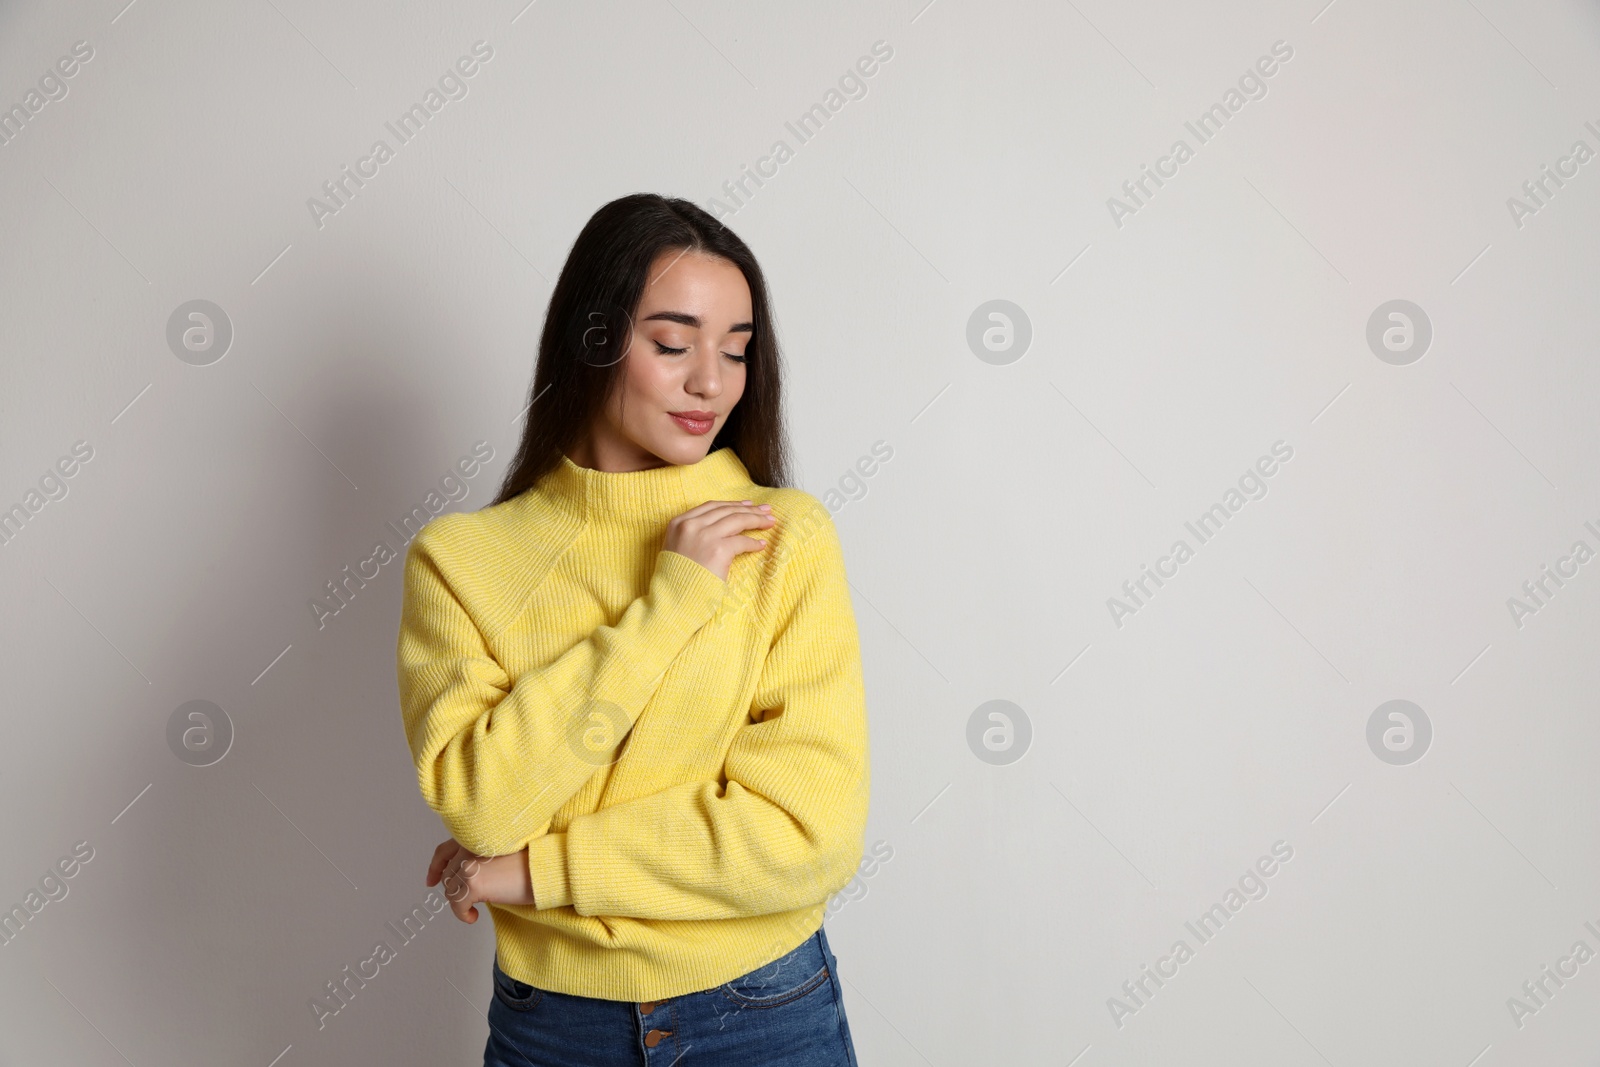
<point x="786" y="829"/>
<point x="496" y="756"/>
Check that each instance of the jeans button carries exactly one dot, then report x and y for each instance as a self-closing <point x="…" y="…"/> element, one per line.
<point x="647" y="1008"/>
<point x="653" y="1038"/>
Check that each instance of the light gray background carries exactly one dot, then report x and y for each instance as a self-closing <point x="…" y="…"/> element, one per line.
<point x="1168" y="354"/>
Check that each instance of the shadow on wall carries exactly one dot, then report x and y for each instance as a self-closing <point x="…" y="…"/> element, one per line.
<point x="261" y="880"/>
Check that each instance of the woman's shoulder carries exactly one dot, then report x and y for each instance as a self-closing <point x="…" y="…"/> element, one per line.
<point x="495" y="556"/>
<point x="800" y="516"/>
<point x="505" y="528"/>
<point x="452" y="536"/>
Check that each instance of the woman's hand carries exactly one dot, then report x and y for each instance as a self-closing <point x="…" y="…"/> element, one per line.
<point x="710" y="534"/>
<point x="470" y="879"/>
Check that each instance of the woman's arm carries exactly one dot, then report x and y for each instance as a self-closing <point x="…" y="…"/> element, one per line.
<point x="786" y="831"/>
<point x="496" y="756"/>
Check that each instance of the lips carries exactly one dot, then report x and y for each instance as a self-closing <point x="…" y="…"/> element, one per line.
<point x="695" y="422"/>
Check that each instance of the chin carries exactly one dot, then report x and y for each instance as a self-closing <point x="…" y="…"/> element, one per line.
<point x="683" y="452"/>
<point x="696" y="451"/>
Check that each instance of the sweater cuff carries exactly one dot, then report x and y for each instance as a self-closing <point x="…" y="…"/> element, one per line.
<point x="547" y="870"/>
<point x="685" y="588"/>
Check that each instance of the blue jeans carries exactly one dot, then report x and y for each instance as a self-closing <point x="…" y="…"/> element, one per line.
<point x="787" y="1013"/>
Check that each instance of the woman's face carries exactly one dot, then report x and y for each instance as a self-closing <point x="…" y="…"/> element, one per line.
<point x="684" y="370"/>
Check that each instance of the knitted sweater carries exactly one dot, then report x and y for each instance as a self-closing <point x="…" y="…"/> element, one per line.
<point x="685" y="758"/>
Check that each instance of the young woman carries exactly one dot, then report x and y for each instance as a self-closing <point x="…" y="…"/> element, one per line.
<point x="644" y="727"/>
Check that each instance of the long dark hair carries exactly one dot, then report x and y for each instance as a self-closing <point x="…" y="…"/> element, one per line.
<point x="587" y="328"/>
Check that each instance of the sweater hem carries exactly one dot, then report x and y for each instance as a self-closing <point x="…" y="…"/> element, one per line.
<point x="646" y="960"/>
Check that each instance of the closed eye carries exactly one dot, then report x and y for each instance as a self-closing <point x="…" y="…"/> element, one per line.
<point x="665" y="351"/>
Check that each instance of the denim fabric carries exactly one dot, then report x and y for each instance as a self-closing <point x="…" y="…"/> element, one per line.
<point x="787" y="1013"/>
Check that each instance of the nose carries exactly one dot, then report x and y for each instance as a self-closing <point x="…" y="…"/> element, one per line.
<point x="705" y="373"/>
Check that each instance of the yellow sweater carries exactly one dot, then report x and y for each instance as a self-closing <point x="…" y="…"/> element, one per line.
<point x="684" y="758"/>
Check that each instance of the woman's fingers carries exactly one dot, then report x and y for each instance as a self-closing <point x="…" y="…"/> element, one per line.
<point x="707" y="533"/>
<point x="457" y="888"/>
<point x="714" y="505"/>
<point x="736" y="518"/>
<point x="459" y="868"/>
<point x="462" y="906"/>
<point x="441" y="856"/>
<point x="729" y="522"/>
<point x="714" y="512"/>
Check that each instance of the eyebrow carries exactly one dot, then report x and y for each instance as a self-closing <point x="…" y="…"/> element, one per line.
<point x="694" y="320"/>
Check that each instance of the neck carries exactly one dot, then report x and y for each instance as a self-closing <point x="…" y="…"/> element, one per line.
<point x="646" y="498"/>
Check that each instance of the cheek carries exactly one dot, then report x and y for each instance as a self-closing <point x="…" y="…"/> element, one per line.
<point x="645" y="381"/>
<point x="649" y="377"/>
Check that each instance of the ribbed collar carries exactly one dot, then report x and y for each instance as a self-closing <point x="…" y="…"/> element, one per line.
<point x="647" y="498"/>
